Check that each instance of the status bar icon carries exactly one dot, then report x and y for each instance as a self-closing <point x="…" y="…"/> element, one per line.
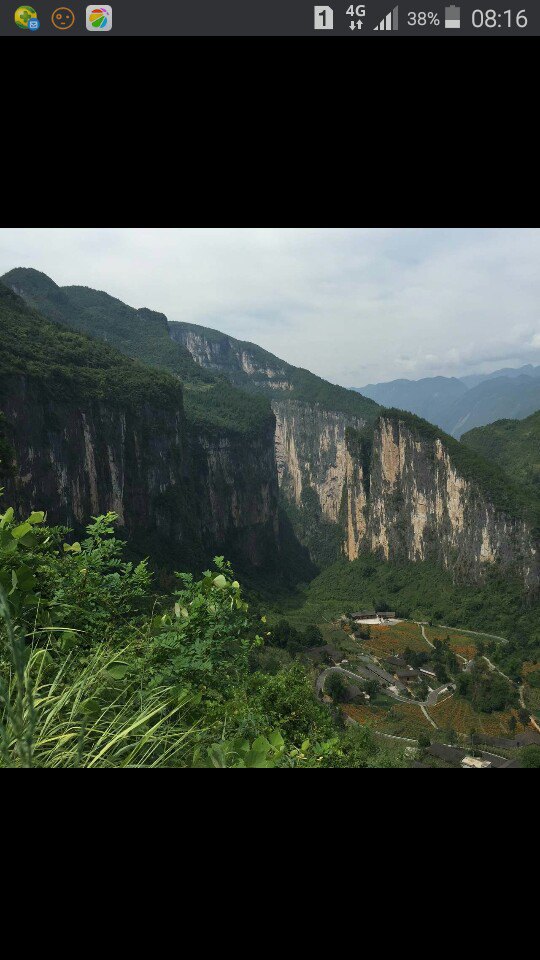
<point x="389" y="22"/>
<point x="324" y="18"/>
<point x="452" y="18"/>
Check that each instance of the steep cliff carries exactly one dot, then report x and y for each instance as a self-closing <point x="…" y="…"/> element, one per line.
<point x="413" y="493"/>
<point x="358" y="482"/>
<point x="89" y="430"/>
<point x="312" y="417"/>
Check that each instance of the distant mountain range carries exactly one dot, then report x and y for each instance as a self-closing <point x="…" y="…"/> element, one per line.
<point x="458" y="405"/>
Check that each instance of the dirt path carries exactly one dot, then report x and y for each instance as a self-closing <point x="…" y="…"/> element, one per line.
<point x="427" y="716"/>
<point x="472" y="633"/>
<point x="421" y="625"/>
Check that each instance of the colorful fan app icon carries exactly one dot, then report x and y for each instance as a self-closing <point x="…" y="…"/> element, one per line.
<point x="26" y="18"/>
<point x="98" y="19"/>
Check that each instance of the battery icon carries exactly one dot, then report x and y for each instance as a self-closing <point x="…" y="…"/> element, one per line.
<point x="451" y="18"/>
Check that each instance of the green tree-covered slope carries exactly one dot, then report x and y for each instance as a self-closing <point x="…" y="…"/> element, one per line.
<point x="512" y="444"/>
<point x="72" y="366"/>
<point x="210" y="401"/>
<point x="273" y="377"/>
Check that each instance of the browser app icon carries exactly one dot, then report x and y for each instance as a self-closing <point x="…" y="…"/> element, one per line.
<point x="98" y="18"/>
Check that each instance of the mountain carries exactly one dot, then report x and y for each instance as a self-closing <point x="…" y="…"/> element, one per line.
<point x="504" y="397"/>
<point x="210" y="402"/>
<point x="414" y="493"/>
<point x="90" y="430"/>
<point x="356" y="478"/>
<point x="201" y="469"/>
<point x="429" y="398"/>
<point x="457" y="405"/>
<point x="473" y="379"/>
<point x="312" y="417"/>
<point x="514" y="445"/>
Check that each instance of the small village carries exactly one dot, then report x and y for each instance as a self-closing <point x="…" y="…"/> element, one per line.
<point x="402" y="677"/>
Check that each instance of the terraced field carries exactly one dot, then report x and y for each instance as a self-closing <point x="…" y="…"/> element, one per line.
<point x="457" y="714"/>
<point x="402" y="720"/>
<point x="384" y="641"/>
<point x="461" y="643"/>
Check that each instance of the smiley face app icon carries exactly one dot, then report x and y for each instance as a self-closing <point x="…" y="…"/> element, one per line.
<point x="63" y="18"/>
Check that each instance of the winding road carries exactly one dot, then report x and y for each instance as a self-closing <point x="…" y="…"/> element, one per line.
<point x="367" y="674"/>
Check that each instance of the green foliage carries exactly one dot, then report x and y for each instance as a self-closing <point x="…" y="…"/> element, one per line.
<point x="284" y="635"/>
<point x="73" y="365"/>
<point x="486" y="690"/>
<point x="97" y="670"/>
<point x="69" y="366"/>
<point x="206" y="638"/>
<point x="336" y="687"/>
<point x="512" y="444"/>
<point x="529" y="758"/>
<point x="80" y="588"/>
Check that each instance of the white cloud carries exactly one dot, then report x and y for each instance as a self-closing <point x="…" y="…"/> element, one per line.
<point x="352" y="305"/>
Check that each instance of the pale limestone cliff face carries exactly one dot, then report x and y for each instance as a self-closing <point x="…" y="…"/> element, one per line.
<point x="311" y="452"/>
<point x="419" y="507"/>
<point x="412" y="504"/>
<point x="231" y="358"/>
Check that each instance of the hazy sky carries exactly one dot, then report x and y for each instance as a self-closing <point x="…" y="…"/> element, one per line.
<point x="354" y="306"/>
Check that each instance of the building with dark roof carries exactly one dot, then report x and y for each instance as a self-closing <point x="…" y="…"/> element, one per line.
<point x="407" y="675"/>
<point x="451" y="755"/>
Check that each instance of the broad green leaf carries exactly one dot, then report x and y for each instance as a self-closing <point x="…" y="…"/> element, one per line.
<point x="20" y="531"/>
<point x="220" y="582"/>
<point x="118" y="670"/>
<point x="37" y="516"/>
<point x="256" y="758"/>
<point x="7" y="517"/>
<point x="217" y="756"/>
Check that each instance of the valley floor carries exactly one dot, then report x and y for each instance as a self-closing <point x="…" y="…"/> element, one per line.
<point x="397" y="710"/>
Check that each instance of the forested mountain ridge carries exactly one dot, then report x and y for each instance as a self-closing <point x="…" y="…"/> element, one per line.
<point x="512" y="444"/>
<point x="92" y="431"/>
<point x="356" y="478"/>
<point x="353" y="477"/>
<point x="211" y="403"/>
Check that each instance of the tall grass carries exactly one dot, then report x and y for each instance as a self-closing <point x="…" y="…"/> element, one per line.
<point x="80" y="715"/>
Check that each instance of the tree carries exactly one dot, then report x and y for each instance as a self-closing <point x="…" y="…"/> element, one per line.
<point x="523" y="716"/>
<point x="512" y="724"/>
<point x="312" y="636"/>
<point x="530" y="758"/>
<point x="423" y="741"/>
<point x="335" y="687"/>
<point x="371" y="688"/>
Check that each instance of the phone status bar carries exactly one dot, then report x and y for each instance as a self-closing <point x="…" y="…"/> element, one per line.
<point x="374" y="18"/>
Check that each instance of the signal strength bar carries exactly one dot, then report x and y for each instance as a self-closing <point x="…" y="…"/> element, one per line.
<point x="390" y="21"/>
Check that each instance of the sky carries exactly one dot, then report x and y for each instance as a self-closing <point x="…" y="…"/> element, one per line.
<point x="355" y="306"/>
